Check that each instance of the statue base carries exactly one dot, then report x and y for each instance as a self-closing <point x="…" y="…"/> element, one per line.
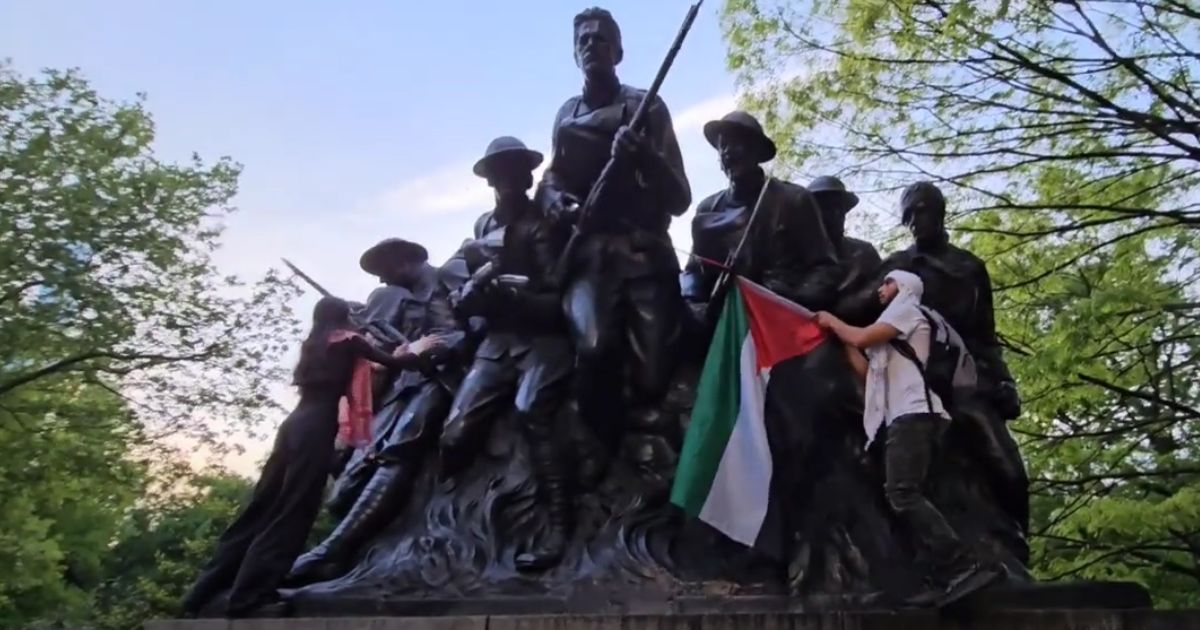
<point x="958" y="619"/>
<point x="1058" y="606"/>
<point x="718" y="598"/>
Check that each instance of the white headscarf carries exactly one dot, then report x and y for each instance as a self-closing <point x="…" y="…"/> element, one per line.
<point x="875" y="404"/>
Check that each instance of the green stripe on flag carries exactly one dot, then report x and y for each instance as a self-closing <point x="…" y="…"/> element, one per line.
<point x="716" y="409"/>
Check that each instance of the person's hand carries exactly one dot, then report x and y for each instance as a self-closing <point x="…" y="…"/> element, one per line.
<point x="628" y="144"/>
<point x="697" y="313"/>
<point x="426" y="344"/>
<point x="826" y="319"/>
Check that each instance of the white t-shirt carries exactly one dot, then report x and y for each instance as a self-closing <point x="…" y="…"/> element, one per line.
<point x="905" y="385"/>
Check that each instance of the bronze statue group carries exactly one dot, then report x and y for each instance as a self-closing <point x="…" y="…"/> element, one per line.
<point x="570" y="301"/>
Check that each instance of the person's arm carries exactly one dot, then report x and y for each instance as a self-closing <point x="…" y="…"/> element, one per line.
<point x="859" y="337"/>
<point x="857" y="361"/>
<point x="363" y="348"/>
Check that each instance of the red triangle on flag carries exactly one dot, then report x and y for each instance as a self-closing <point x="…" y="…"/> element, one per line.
<point x="781" y="329"/>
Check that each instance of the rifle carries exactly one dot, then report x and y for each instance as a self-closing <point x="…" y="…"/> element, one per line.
<point x="303" y="276"/>
<point x="731" y="259"/>
<point x="488" y="274"/>
<point x="382" y="332"/>
<point x="589" y="204"/>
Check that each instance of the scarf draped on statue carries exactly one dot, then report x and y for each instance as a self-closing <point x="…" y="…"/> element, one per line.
<point x="354" y="409"/>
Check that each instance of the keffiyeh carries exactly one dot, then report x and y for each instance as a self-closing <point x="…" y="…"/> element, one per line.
<point x="875" y="404"/>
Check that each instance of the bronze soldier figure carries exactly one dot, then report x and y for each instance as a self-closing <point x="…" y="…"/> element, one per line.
<point x="378" y="480"/>
<point x="812" y="400"/>
<point x="787" y="249"/>
<point x="858" y="259"/>
<point x="525" y="360"/>
<point x="621" y="290"/>
<point x="958" y="286"/>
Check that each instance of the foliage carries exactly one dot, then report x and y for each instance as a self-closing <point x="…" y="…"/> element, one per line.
<point x="160" y="547"/>
<point x="1066" y="135"/>
<point x="105" y="269"/>
<point x="122" y="349"/>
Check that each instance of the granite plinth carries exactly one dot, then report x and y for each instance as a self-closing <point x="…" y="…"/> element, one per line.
<point x="906" y="620"/>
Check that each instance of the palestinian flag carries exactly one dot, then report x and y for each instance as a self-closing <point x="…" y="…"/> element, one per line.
<point x="724" y="473"/>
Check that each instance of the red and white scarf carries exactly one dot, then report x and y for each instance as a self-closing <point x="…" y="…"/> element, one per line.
<point x="354" y="409"/>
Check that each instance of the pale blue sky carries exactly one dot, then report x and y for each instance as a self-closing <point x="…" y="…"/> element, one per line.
<point x="360" y="121"/>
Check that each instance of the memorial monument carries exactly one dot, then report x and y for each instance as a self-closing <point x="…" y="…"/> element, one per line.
<point x="530" y="469"/>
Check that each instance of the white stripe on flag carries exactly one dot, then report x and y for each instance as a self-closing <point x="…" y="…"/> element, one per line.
<point x="737" y="502"/>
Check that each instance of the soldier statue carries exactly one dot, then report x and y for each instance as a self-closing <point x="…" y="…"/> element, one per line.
<point x="525" y="360"/>
<point x="958" y="286"/>
<point x="858" y="259"/>
<point x="621" y="292"/>
<point x="787" y="249"/>
<point x="377" y="482"/>
<point x="820" y="491"/>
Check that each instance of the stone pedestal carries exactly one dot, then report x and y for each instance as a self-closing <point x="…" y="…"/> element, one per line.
<point x="908" y="620"/>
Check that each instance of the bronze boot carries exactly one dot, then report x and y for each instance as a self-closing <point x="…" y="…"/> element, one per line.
<point x="547" y="551"/>
<point x="381" y="500"/>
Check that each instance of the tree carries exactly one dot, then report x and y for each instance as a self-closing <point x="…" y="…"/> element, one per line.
<point x="160" y="547"/>
<point x="120" y="342"/>
<point x="163" y="543"/>
<point x="1067" y="135"/>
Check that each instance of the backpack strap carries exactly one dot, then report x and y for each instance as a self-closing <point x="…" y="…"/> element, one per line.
<point x="935" y="323"/>
<point x="906" y="350"/>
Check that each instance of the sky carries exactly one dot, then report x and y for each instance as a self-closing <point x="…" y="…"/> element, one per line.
<point x="359" y="121"/>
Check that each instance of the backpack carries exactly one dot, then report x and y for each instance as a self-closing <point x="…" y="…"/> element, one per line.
<point x="950" y="369"/>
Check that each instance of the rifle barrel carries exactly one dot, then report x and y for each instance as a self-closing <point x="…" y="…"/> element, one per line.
<point x="303" y="276"/>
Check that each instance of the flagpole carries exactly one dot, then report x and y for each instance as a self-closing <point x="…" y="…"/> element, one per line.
<point x="737" y="251"/>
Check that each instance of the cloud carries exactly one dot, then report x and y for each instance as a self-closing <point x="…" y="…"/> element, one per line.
<point x="448" y="190"/>
<point x="453" y="189"/>
<point x="694" y="117"/>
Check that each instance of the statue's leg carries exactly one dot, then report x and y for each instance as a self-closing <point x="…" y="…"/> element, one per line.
<point x="543" y="387"/>
<point x="356" y="472"/>
<point x="384" y="496"/>
<point x="988" y="437"/>
<point x="484" y="393"/>
<point x="592" y="307"/>
<point x="654" y="330"/>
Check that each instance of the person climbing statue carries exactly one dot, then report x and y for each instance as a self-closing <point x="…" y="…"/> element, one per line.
<point x="255" y="552"/>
